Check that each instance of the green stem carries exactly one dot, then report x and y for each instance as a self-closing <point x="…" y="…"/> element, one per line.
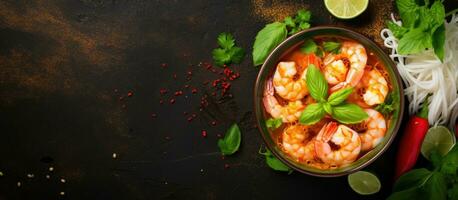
<point x="424" y="110"/>
<point x="451" y="12"/>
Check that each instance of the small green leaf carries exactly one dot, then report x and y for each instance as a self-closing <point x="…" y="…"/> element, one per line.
<point x="398" y="31"/>
<point x="231" y="141"/>
<point x="408" y="12"/>
<point x="289" y="22"/>
<point x="274" y="123"/>
<point x="390" y="104"/>
<point x="266" y="40"/>
<point x="221" y="56"/>
<point x="333" y="47"/>
<point x="237" y="54"/>
<point x="274" y="163"/>
<point x="338" y="97"/>
<point x="303" y="16"/>
<point x="319" y="52"/>
<point x="304" y="25"/>
<point x="414" y="41"/>
<point x="437" y="14"/>
<point x="450" y="162"/>
<point x="309" y="46"/>
<point x="349" y="114"/>
<point x="226" y="40"/>
<point x="412" y="178"/>
<point x="316" y="83"/>
<point x="438" y="40"/>
<point x="312" y="114"/>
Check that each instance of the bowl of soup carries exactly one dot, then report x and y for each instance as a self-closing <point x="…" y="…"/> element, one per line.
<point x="328" y="101"/>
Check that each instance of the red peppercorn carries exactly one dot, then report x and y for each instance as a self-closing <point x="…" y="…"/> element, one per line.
<point x="226" y="165"/>
<point x="154" y="115"/>
<point x="130" y="93"/>
<point x="172" y="101"/>
<point x="204" y="133"/>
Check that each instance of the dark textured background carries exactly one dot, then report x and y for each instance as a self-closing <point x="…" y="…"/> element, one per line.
<point x="65" y="64"/>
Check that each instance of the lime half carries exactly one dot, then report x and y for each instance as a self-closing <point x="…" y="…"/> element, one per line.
<point x="437" y="138"/>
<point x="364" y="183"/>
<point x="346" y="9"/>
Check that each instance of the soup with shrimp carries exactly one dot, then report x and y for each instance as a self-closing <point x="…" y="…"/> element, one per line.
<point x="322" y="102"/>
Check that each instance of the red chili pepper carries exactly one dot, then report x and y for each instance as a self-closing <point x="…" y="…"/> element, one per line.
<point x="410" y="145"/>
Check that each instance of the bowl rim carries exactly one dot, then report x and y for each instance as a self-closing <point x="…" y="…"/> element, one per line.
<point x="395" y="130"/>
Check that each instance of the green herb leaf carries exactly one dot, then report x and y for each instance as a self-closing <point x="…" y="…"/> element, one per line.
<point x="231" y="141"/>
<point x="312" y="114"/>
<point x="237" y="54"/>
<point x="266" y="40"/>
<point x="407" y="10"/>
<point x="327" y="107"/>
<point x="453" y="192"/>
<point x="303" y="16"/>
<point x="349" y="114"/>
<point x="289" y="22"/>
<point x="338" y="97"/>
<point x="437" y="14"/>
<point x="319" y="52"/>
<point x="304" y="25"/>
<point x="438" y="41"/>
<point x="431" y="186"/>
<point x="274" y="123"/>
<point x="226" y="40"/>
<point x="412" y="178"/>
<point x="390" y="104"/>
<point x="414" y="41"/>
<point x="309" y="46"/>
<point x="221" y="56"/>
<point x="450" y="162"/>
<point x="228" y="53"/>
<point x="333" y="47"/>
<point x="398" y="31"/>
<point x="316" y="83"/>
<point x="274" y="163"/>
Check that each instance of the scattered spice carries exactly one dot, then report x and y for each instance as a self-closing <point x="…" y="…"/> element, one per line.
<point x="62" y="193"/>
<point x="19" y="184"/>
<point x="153" y="115"/>
<point x="1" y="174"/>
<point x="62" y="180"/>
<point x="48" y="176"/>
<point x="226" y="165"/>
<point x="204" y="133"/>
<point x="164" y="65"/>
<point x="114" y="156"/>
<point x="30" y="175"/>
<point x="51" y="169"/>
<point x="130" y="94"/>
<point x="172" y="101"/>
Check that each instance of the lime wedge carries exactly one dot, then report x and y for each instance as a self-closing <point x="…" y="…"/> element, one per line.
<point x="346" y="9"/>
<point x="437" y="138"/>
<point x="364" y="183"/>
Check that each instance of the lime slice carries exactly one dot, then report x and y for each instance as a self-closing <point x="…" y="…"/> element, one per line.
<point x="364" y="183"/>
<point x="346" y="9"/>
<point x="437" y="138"/>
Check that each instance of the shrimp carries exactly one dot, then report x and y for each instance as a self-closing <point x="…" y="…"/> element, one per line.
<point x="288" y="113"/>
<point x="375" y="131"/>
<point x="297" y="142"/>
<point x="337" y="145"/>
<point x="376" y="87"/>
<point x="347" y="67"/>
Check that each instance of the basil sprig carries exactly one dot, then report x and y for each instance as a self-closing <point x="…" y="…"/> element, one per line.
<point x="231" y="141"/>
<point x="334" y="105"/>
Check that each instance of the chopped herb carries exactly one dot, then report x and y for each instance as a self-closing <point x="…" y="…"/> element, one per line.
<point x="389" y="106"/>
<point x="273" y="123"/>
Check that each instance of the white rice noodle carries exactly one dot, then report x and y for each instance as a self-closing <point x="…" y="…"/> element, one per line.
<point x="424" y="74"/>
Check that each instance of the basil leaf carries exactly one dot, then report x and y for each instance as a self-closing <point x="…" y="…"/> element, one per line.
<point x="411" y="193"/>
<point x="349" y="114"/>
<point x="266" y="40"/>
<point x="414" y="41"/>
<point x="450" y="162"/>
<point x="438" y="41"/>
<point x="436" y="187"/>
<point x="338" y="97"/>
<point x="327" y="107"/>
<point x="437" y="13"/>
<point x="312" y="114"/>
<point x="398" y="31"/>
<point x="231" y="141"/>
<point x="274" y="163"/>
<point x="273" y="123"/>
<point x="412" y="178"/>
<point x="316" y="83"/>
<point x="333" y="47"/>
<point x="453" y="192"/>
<point x="309" y="46"/>
<point x="407" y="10"/>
